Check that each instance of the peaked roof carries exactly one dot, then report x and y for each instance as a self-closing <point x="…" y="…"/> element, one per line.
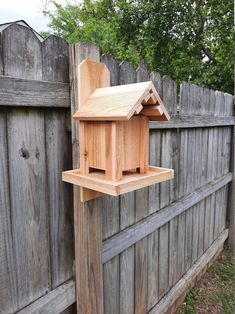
<point x="122" y="102"/>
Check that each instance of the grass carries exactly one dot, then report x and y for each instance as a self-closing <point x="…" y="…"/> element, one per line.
<point x="215" y="292"/>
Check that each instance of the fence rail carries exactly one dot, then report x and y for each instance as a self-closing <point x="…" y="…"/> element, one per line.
<point x="155" y="240"/>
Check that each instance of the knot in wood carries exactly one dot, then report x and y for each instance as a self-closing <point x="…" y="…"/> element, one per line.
<point x="24" y="153"/>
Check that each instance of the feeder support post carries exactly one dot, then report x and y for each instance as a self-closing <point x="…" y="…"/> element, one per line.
<point x="87" y="215"/>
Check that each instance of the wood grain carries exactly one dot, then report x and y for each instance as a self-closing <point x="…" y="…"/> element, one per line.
<point x="32" y="93"/>
<point x="21" y="53"/>
<point x="188" y="279"/>
<point x="8" y="283"/>
<point x="87" y="216"/>
<point x="28" y="182"/>
<point x="54" y="302"/>
<point x="138" y="231"/>
<point x="59" y="157"/>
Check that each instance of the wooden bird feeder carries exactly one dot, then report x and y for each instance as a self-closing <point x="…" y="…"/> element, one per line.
<point x="114" y="134"/>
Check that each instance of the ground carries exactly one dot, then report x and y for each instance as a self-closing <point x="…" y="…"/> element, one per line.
<point x="215" y="292"/>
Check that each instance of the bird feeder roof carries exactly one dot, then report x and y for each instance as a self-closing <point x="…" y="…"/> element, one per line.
<point x="122" y="102"/>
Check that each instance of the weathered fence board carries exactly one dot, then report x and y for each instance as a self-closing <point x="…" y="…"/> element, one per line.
<point x="124" y="239"/>
<point x="37" y="243"/>
<point x="21" y="92"/>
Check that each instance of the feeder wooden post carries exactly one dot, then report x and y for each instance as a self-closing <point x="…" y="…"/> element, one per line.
<point x="88" y="215"/>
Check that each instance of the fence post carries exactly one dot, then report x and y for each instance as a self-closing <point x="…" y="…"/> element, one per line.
<point x="88" y="215"/>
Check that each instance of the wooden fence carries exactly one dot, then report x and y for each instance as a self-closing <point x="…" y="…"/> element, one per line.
<point x="157" y="240"/>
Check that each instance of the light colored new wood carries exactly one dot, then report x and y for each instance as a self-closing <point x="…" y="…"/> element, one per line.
<point x="127" y="217"/>
<point x="131" y="181"/>
<point x="92" y="75"/>
<point x="144" y="144"/>
<point x="88" y="215"/>
<point x="118" y="102"/>
<point x="113" y="147"/>
<point x="88" y="194"/>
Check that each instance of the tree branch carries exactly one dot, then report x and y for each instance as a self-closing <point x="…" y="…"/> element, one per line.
<point x="209" y="54"/>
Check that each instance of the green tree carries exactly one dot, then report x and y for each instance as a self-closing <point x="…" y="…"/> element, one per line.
<point x="189" y="40"/>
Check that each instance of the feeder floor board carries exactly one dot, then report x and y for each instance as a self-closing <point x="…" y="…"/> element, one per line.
<point x="131" y="181"/>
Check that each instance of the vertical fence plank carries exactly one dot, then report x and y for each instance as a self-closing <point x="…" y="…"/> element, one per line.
<point x="154" y="160"/>
<point x="181" y="246"/>
<point x="59" y="197"/>
<point x="153" y="253"/>
<point x="155" y="150"/>
<point x="142" y="197"/>
<point x="163" y="260"/>
<point x="155" y="77"/>
<point x="28" y="190"/>
<point x="173" y="250"/>
<point x="22" y="58"/>
<point x="8" y="284"/>
<point x="55" y="59"/>
<point x="21" y="53"/>
<point x="58" y="150"/>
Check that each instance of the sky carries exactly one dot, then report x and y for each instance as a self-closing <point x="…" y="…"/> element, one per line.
<point x="28" y="10"/>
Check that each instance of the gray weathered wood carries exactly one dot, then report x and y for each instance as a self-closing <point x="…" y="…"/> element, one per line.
<point x="188" y="237"/>
<point x="155" y="77"/>
<point x="154" y="160"/>
<point x="113" y="67"/>
<point x="53" y="302"/>
<point x="187" y="121"/>
<point x="111" y="286"/>
<point x="180" y="246"/>
<point x="188" y="279"/>
<point x="59" y="158"/>
<point x="62" y="297"/>
<point x="173" y="250"/>
<point x="22" y="92"/>
<point x="29" y="208"/>
<point x="153" y="295"/>
<point x="132" y="234"/>
<point x="1" y="61"/>
<point x="169" y="94"/>
<point x="55" y="59"/>
<point x="195" y="232"/>
<point x="163" y="260"/>
<point x="155" y="150"/>
<point x="231" y="205"/>
<point x="127" y="280"/>
<point x="201" y="209"/>
<point x="8" y="283"/>
<point x="21" y="53"/>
